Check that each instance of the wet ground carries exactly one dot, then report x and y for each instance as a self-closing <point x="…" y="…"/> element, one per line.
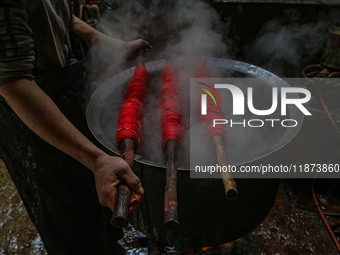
<point x="289" y="229"/>
<point x="292" y="227"/>
<point x="17" y="233"/>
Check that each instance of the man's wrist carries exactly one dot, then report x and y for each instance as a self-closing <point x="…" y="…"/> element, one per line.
<point x="99" y="161"/>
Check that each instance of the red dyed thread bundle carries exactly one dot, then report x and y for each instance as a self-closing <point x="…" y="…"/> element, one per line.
<point x="213" y="111"/>
<point x="171" y="115"/>
<point x="131" y="112"/>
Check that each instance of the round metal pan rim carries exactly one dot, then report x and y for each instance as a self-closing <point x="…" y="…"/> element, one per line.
<point x="254" y="71"/>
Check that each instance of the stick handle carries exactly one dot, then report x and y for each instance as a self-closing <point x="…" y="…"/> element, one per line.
<point x="228" y="181"/>
<point x="140" y="60"/>
<point x="170" y="196"/>
<point x="121" y="209"/>
<point x="123" y="196"/>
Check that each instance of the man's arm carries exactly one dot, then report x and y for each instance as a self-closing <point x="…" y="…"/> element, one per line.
<point x="92" y="36"/>
<point x="44" y="118"/>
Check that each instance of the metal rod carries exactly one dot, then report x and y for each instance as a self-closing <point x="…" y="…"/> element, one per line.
<point x="170" y="197"/>
<point x="228" y="181"/>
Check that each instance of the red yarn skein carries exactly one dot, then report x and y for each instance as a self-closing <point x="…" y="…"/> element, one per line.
<point x="131" y="112"/>
<point x="171" y="115"/>
<point x="213" y="111"/>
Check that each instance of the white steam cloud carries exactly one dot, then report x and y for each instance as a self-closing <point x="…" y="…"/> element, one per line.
<point x="287" y="43"/>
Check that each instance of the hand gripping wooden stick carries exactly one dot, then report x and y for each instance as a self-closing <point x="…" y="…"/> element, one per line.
<point x="122" y="202"/>
<point x="127" y="146"/>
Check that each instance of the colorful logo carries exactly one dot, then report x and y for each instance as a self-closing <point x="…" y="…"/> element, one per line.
<point x="206" y="90"/>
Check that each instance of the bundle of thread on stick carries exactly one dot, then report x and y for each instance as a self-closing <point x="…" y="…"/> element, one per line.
<point x="213" y="109"/>
<point x="171" y="114"/>
<point x="131" y="112"/>
<point x="172" y="135"/>
<point x="128" y="135"/>
<point x="217" y="134"/>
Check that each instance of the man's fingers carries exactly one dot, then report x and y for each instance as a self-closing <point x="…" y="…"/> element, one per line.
<point x="132" y="181"/>
<point x="135" y="198"/>
<point x="136" y="45"/>
<point x="146" y="44"/>
<point x="134" y="202"/>
<point x="133" y="206"/>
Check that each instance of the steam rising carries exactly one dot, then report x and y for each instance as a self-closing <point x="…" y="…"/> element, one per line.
<point x="181" y="28"/>
<point x="175" y="29"/>
<point x="284" y="45"/>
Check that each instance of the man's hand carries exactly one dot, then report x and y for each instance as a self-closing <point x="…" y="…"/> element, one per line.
<point x="109" y="172"/>
<point x="44" y="118"/>
<point x="133" y="47"/>
<point x="128" y="49"/>
<point x="93" y="36"/>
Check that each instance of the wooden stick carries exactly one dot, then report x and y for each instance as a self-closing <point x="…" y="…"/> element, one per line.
<point x="228" y="181"/>
<point x="122" y="202"/>
<point x="170" y="197"/>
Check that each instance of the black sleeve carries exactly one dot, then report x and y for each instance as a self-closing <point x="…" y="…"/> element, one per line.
<point x="16" y="43"/>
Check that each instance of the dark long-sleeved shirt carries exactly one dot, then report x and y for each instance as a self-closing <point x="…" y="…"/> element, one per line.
<point x="33" y="35"/>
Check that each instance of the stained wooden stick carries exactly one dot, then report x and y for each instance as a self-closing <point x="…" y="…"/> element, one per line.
<point x="170" y="198"/>
<point x="228" y="181"/>
<point x="122" y="202"/>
